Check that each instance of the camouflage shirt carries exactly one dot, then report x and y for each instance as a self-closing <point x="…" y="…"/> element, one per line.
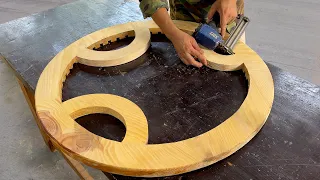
<point x="187" y="10"/>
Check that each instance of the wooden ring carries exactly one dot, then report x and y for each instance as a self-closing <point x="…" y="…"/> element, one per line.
<point x="135" y="49"/>
<point x="126" y="111"/>
<point x="151" y="160"/>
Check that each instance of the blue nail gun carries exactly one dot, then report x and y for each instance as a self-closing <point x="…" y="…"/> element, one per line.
<point x="208" y="36"/>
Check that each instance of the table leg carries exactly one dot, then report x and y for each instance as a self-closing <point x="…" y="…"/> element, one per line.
<point x="77" y="167"/>
<point x="31" y="102"/>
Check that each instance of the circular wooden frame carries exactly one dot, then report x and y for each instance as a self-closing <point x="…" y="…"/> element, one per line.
<point x="133" y="156"/>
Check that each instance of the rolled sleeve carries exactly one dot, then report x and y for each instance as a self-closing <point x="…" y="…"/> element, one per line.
<point x="149" y="7"/>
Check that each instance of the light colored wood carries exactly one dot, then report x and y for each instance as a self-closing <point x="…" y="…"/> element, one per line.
<point x="129" y="113"/>
<point x="132" y="156"/>
<point x="136" y="48"/>
<point x="77" y="167"/>
<point x="30" y="100"/>
<point x="29" y="96"/>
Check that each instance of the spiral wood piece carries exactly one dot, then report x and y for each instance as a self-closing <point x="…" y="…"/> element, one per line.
<point x="133" y="156"/>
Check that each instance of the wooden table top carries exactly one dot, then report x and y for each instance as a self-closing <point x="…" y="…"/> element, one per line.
<point x="286" y="147"/>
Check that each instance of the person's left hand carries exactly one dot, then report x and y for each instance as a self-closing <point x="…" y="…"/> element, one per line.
<point x="227" y="10"/>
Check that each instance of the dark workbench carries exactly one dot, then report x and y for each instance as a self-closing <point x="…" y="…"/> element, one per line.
<point x="179" y="101"/>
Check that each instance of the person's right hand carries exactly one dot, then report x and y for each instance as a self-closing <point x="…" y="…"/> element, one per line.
<point x="227" y="10"/>
<point x="188" y="49"/>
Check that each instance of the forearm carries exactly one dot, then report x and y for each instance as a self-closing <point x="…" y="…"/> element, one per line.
<point x="163" y="20"/>
<point x="185" y="45"/>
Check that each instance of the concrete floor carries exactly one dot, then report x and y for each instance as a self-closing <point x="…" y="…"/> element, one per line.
<point x="24" y="155"/>
<point x="283" y="33"/>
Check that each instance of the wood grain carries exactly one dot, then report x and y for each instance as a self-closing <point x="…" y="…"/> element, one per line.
<point x="134" y="157"/>
<point x="126" y="111"/>
<point x="77" y="167"/>
<point x="135" y="49"/>
<point x="29" y="96"/>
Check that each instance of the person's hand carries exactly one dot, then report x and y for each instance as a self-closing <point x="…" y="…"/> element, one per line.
<point x="188" y="49"/>
<point x="227" y="10"/>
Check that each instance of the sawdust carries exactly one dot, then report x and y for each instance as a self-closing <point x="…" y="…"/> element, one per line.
<point x="229" y="163"/>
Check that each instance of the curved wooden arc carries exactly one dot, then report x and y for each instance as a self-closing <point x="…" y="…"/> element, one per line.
<point x="135" y="49"/>
<point x="126" y="111"/>
<point x="135" y="158"/>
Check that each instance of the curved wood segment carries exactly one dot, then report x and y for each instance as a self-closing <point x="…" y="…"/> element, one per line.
<point x="123" y="109"/>
<point x="133" y="157"/>
<point x="114" y="57"/>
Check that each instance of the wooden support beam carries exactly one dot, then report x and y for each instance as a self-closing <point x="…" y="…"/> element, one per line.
<point x="29" y="96"/>
<point x="77" y="167"/>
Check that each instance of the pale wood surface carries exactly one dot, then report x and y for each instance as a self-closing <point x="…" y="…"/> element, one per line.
<point x="135" y="158"/>
<point x="135" y="49"/>
<point x="30" y="100"/>
<point x="126" y="111"/>
<point x="266" y="156"/>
